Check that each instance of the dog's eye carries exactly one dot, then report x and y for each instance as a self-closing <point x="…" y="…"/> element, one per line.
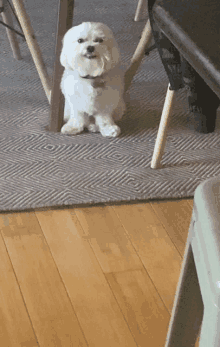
<point x="80" y="40"/>
<point x="100" y="40"/>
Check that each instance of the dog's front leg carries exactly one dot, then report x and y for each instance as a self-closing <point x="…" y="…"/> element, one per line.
<point x="75" y="125"/>
<point x="76" y="120"/>
<point x="106" y="125"/>
<point x="67" y="111"/>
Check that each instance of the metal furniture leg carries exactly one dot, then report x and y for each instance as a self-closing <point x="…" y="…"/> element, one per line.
<point x="196" y="310"/>
<point x="187" y="310"/>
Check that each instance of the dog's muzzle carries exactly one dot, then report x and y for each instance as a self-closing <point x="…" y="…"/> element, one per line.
<point x="90" y="49"/>
<point x="90" y="52"/>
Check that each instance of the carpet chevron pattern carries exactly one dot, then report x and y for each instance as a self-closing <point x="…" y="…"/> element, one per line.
<point x="41" y="169"/>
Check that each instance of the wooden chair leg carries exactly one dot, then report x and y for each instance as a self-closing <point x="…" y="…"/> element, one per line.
<point x="64" y="23"/>
<point x="7" y="19"/>
<point x="162" y="131"/>
<point x="138" y="55"/>
<point x="33" y="45"/>
<point x="141" y="4"/>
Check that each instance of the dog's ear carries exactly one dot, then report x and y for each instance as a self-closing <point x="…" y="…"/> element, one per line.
<point x="66" y="44"/>
<point x="63" y="55"/>
<point x="116" y="57"/>
<point x="115" y="52"/>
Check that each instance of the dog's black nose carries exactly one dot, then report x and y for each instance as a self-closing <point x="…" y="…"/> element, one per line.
<point x="90" y="49"/>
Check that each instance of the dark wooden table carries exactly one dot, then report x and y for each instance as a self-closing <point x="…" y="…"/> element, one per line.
<point x="193" y="26"/>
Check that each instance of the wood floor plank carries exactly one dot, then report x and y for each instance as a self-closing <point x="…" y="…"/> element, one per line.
<point x="155" y="248"/>
<point x="175" y="217"/>
<point x="46" y="299"/>
<point x="15" y="326"/>
<point x="97" y="309"/>
<point x="108" y="239"/>
<point x="190" y="202"/>
<point x="143" y="308"/>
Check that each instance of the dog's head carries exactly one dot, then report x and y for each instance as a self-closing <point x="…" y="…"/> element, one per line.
<point x="90" y="48"/>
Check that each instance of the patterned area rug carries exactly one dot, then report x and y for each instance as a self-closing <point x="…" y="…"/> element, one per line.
<point x="41" y="169"/>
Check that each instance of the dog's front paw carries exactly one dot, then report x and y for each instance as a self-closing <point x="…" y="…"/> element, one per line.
<point x="69" y="129"/>
<point x="110" y="131"/>
<point x="93" y="128"/>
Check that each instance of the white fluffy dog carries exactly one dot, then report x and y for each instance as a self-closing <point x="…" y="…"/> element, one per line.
<point x="93" y="82"/>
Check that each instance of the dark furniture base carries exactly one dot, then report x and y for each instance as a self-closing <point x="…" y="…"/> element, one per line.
<point x="182" y="44"/>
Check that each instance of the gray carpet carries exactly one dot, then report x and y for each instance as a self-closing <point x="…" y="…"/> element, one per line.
<point x="41" y="169"/>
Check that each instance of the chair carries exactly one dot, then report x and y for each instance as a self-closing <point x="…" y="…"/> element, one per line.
<point x="196" y="309"/>
<point x="195" y="53"/>
<point x="199" y="62"/>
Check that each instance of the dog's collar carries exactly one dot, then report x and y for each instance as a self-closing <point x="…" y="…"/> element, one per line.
<point x="97" y="82"/>
<point x="90" y="77"/>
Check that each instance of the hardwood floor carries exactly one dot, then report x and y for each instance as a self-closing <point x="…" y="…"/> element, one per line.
<point x="99" y="276"/>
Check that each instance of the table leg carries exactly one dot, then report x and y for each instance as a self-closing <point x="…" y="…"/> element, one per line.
<point x="144" y="42"/>
<point x="64" y="23"/>
<point x="162" y="131"/>
<point x="141" y="4"/>
<point x="7" y="19"/>
<point x="33" y="45"/>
